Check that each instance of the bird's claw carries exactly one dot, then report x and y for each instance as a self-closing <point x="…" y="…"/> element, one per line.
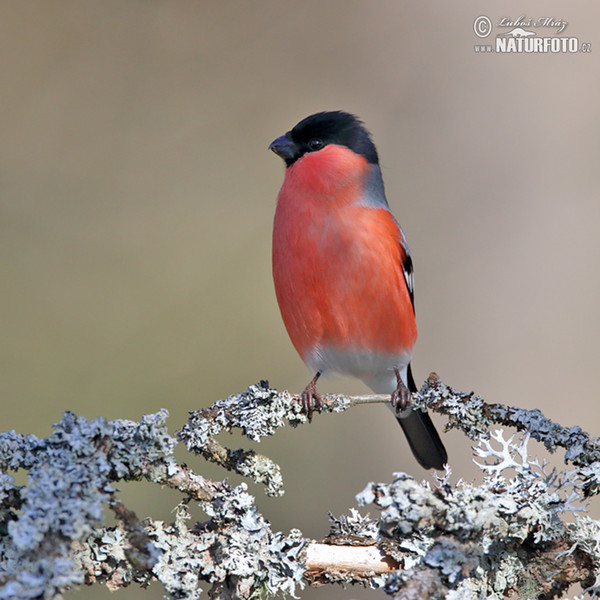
<point x="401" y="396"/>
<point x="311" y="401"/>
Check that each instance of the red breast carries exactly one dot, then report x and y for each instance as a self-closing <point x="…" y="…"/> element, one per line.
<point x="337" y="260"/>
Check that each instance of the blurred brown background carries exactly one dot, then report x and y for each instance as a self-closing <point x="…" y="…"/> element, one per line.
<point x="138" y="195"/>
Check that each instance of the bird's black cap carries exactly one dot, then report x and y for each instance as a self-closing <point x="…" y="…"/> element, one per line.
<point x="320" y="130"/>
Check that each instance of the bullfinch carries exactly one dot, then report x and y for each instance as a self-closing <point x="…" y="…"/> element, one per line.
<point x="342" y="270"/>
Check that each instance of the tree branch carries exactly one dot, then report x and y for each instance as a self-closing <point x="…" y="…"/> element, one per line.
<point x="504" y="535"/>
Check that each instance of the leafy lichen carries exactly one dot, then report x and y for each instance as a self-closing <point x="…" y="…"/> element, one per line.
<point x="507" y="534"/>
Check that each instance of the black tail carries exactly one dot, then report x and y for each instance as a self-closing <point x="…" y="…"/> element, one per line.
<point x="422" y="436"/>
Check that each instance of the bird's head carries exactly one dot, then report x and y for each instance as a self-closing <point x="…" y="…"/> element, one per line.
<point x="320" y="130"/>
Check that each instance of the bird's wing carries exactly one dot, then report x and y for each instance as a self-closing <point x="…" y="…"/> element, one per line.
<point x="407" y="266"/>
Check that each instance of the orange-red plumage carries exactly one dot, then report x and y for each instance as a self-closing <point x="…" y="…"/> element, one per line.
<point x="337" y="264"/>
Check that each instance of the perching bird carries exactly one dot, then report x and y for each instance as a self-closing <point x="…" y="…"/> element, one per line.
<point x="342" y="269"/>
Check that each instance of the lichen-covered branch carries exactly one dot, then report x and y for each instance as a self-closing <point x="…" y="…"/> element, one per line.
<point x="472" y="415"/>
<point x="506" y="534"/>
<point x="260" y="411"/>
<point x="51" y="541"/>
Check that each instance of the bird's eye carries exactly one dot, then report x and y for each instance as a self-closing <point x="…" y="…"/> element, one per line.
<point x="315" y="144"/>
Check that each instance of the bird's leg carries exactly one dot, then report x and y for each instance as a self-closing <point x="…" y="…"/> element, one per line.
<point x="401" y="395"/>
<point x="311" y="401"/>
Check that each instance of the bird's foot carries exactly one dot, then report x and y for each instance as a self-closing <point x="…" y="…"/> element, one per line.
<point x="401" y="395"/>
<point x="311" y="401"/>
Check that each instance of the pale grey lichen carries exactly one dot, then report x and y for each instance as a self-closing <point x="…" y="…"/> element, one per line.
<point x="506" y="534"/>
<point x="50" y="534"/>
<point x="68" y="486"/>
<point x="489" y="535"/>
<point x="258" y="412"/>
<point x="353" y="527"/>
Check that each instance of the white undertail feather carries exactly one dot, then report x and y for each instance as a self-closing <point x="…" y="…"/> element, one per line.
<point x="376" y="370"/>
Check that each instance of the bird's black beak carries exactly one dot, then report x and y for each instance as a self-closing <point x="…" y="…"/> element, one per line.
<point x="285" y="148"/>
